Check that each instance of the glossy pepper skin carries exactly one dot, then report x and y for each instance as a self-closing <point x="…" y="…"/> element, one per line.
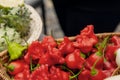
<point x="92" y="59"/>
<point x="35" y="51"/>
<point x="98" y="75"/>
<point x="52" y="57"/>
<point x="40" y="73"/>
<point x="58" y="74"/>
<point x="74" y="60"/>
<point x="86" y="40"/>
<point x="84" y="75"/>
<point x="66" y="46"/>
<point x="111" y="49"/>
<point x="24" y="75"/>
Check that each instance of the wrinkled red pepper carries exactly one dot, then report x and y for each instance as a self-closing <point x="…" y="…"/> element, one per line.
<point x="92" y="59"/>
<point x="40" y="73"/>
<point x="48" y="41"/>
<point x="75" y="60"/>
<point x="86" y="40"/>
<point x="84" y="75"/>
<point x="58" y="74"/>
<point x="52" y="57"/>
<point x="66" y="46"/>
<point x="24" y="75"/>
<point x="35" y="51"/>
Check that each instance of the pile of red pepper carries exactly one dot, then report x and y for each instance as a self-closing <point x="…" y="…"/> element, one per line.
<point x="85" y="58"/>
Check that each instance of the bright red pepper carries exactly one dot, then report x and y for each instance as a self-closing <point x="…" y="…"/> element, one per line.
<point x="58" y="74"/>
<point x="35" y="51"/>
<point x="17" y="66"/>
<point x="52" y="57"/>
<point x="40" y="73"/>
<point x="84" y="75"/>
<point x="74" y="60"/>
<point x="93" y="58"/>
<point x="86" y="40"/>
<point x="66" y="46"/>
<point x="48" y="41"/>
<point x="24" y="75"/>
<point x="97" y="75"/>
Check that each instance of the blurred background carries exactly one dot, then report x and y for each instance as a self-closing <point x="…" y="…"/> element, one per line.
<point x="48" y="15"/>
<point x="50" y="20"/>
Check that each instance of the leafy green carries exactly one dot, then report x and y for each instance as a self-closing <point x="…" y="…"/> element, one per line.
<point x="16" y="17"/>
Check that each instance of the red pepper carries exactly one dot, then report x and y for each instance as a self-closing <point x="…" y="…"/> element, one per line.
<point x="74" y="60"/>
<point x="86" y="40"/>
<point x="66" y="46"/>
<point x="58" y="74"/>
<point x="35" y="51"/>
<point x="97" y="75"/>
<point x="48" y="41"/>
<point x="92" y="59"/>
<point x="16" y="67"/>
<point x="52" y="57"/>
<point x="84" y="75"/>
<point x="24" y="75"/>
<point x="40" y="73"/>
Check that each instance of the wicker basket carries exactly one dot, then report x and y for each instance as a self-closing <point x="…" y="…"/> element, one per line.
<point x="4" y="56"/>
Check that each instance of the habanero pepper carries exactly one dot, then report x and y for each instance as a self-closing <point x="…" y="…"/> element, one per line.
<point x="66" y="46"/>
<point x="58" y="74"/>
<point x="96" y="74"/>
<point x="84" y="75"/>
<point x="24" y="75"/>
<point x="35" y="51"/>
<point x="48" y="41"/>
<point x="74" y="60"/>
<point x="52" y="57"/>
<point x="86" y="40"/>
<point x="40" y="73"/>
<point x="99" y="55"/>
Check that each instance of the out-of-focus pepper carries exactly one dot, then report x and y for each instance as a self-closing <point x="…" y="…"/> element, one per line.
<point x="66" y="46"/>
<point x="15" y="50"/>
<point x="92" y="59"/>
<point x="110" y="54"/>
<point x="84" y="75"/>
<point x="24" y="75"/>
<point x="97" y="55"/>
<point x="48" y="41"/>
<point x="35" y="51"/>
<point x="86" y="40"/>
<point x="40" y="73"/>
<point x="75" y="60"/>
<point x="58" y="74"/>
<point x="96" y="74"/>
<point x="52" y="57"/>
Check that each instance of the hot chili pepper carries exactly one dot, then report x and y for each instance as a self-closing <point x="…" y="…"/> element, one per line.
<point x="58" y="74"/>
<point x="40" y="73"/>
<point x="97" y="55"/>
<point x="84" y="75"/>
<point x="96" y="74"/>
<point x="15" y="67"/>
<point x="52" y="57"/>
<point x="66" y="46"/>
<point x="74" y="60"/>
<point x="86" y="40"/>
<point x="48" y="41"/>
<point x="92" y="58"/>
<point x="35" y="51"/>
<point x="24" y="75"/>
